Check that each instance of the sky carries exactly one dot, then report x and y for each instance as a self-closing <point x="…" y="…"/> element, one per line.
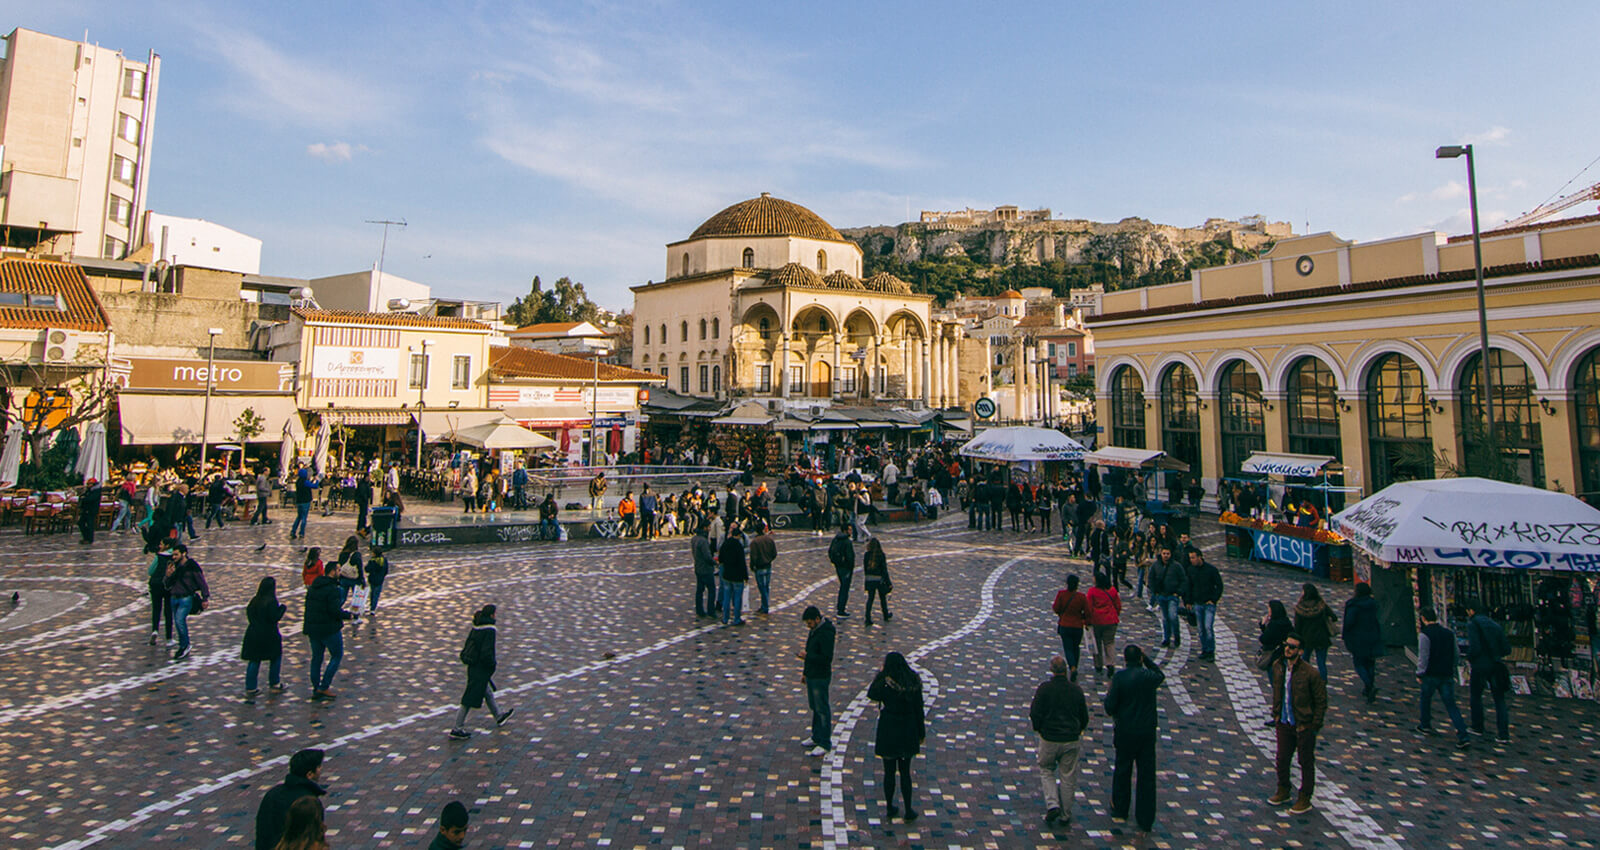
<point x="520" y="139"/>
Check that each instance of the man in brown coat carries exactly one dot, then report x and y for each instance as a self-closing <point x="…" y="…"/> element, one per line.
<point x="1297" y="715"/>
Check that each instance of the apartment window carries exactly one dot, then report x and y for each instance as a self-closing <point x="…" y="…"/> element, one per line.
<point x="128" y="128"/>
<point x="461" y="372"/>
<point x="121" y="210"/>
<point x="683" y="379"/>
<point x="419" y="371"/>
<point x="133" y="83"/>
<point x="764" y="378"/>
<point x="847" y="379"/>
<point x="1052" y="351"/>
<point x="1072" y="349"/>
<point x="797" y="380"/>
<point x="114" y="248"/>
<point x="1072" y="370"/>
<point x="663" y="371"/>
<point x="122" y="169"/>
<point x="705" y="378"/>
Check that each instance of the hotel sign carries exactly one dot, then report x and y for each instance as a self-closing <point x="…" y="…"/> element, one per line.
<point x="149" y="373"/>
<point x="337" y="361"/>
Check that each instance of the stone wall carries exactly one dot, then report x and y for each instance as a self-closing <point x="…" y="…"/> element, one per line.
<point x="155" y="324"/>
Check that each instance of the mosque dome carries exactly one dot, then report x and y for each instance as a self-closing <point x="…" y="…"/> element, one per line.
<point x="842" y="279"/>
<point x="768" y="216"/>
<point x="795" y="274"/>
<point x="885" y="282"/>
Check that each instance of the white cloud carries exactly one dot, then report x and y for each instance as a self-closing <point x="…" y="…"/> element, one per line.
<point x="1495" y="135"/>
<point x="334" y="151"/>
<point x="1449" y="191"/>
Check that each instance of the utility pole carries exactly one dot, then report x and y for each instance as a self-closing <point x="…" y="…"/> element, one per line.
<point x="384" y="247"/>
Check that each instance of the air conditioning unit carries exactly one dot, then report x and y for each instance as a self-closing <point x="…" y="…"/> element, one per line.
<point x="774" y="405"/>
<point x="60" y="345"/>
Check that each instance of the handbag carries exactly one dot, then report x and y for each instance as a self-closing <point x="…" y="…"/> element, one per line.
<point x="886" y="585"/>
<point x="199" y="605"/>
<point x="1265" y="658"/>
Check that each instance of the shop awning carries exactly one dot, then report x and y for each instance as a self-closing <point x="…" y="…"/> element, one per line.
<point x="1287" y="465"/>
<point x="167" y="419"/>
<point x="357" y="418"/>
<point x="748" y="413"/>
<point x="1124" y="458"/>
<point x="437" y="423"/>
<point x="560" y="413"/>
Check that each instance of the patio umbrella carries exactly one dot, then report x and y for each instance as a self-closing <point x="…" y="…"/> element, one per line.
<point x="11" y="457"/>
<point x="286" y="454"/>
<point x="1021" y="443"/>
<point x="92" y="454"/>
<point x="319" y="453"/>
<point x="501" y="435"/>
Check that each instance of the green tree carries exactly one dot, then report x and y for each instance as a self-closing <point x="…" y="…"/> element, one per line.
<point x="564" y="302"/>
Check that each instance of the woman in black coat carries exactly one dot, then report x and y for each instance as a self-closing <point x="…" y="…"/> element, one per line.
<point x="1363" y="637"/>
<point x="478" y="655"/>
<point x="262" y="642"/>
<point x="1275" y="627"/>
<point x="901" y="729"/>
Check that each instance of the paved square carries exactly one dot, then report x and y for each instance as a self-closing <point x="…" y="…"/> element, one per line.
<point x="638" y="725"/>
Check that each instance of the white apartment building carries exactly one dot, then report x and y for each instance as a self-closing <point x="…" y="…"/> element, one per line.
<point x="76" y="124"/>
<point x="197" y="242"/>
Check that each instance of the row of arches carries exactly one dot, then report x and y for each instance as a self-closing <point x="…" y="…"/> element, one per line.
<point x="1400" y="403"/>
<point x="817" y="318"/>
<point x="714" y="326"/>
<point x="747" y="259"/>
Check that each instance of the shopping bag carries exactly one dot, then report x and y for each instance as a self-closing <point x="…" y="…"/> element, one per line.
<point x="358" y="600"/>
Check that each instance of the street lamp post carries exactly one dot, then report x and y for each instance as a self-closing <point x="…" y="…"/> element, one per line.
<point x="594" y="400"/>
<point x="205" y="412"/>
<point x="1452" y="152"/>
<point x="422" y="386"/>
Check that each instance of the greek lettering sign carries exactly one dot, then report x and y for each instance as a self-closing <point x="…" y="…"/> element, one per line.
<point x="337" y="361"/>
<point x="153" y="373"/>
<point x="1284" y="465"/>
<point x="1281" y="549"/>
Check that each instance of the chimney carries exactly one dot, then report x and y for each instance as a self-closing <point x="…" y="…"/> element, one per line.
<point x="1061" y="315"/>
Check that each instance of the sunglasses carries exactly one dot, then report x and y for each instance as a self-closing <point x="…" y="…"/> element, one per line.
<point x="1294" y="646"/>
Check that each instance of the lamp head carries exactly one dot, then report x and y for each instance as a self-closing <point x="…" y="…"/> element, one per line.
<point x="1450" y="151"/>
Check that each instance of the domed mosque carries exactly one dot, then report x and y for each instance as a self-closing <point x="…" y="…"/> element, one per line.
<point x="765" y="300"/>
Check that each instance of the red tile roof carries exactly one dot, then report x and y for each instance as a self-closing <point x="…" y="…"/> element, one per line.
<point x="516" y="362"/>
<point x="389" y="320"/>
<point x="1541" y="225"/>
<point x="547" y="328"/>
<point x="81" y="309"/>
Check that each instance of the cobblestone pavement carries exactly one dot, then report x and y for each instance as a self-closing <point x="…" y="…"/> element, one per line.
<point x="640" y="726"/>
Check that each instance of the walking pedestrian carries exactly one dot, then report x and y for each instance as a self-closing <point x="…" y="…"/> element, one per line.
<point x="862" y="505"/>
<point x="1072" y="614"/>
<point x="348" y="569"/>
<point x="842" y="554"/>
<point x="997" y="503"/>
<point x="377" y="574"/>
<point x="1169" y="582"/>
<point x="324" y="630"/>
<point x="160" y="599"/>
<point x="763" y="551"/>
<point x="125" y="501"/>
<point x="478" y="654"/>
<point x="1436" y="672"/>
<point x="1316" y="625"/>
<point x="1275" y="626"/>
<point x="1486" y="646"/>
<point x="1105" y="612"/>
<point x="1014" y="500"/>
<point x="1363" y="638"/>
<point x="1206" y="590"/>
<point x="217" y="496"/>
<point x="1300" y="704"/>
<point x="902" y="728"/>
<point x="735" y="572"/>
<point x="1131" y="703"/>
<point x="89" y="509"/>
<point x="875" y="575"/>
<point x="363" y="497"/>
<point x="304" y="829"/>
<point x="262" y="641"/>
<point x="313" y="568"/>
<point x="705" y="572"/>
<point x="186" y="584"/>
<point x="305" y="490"/>
<point x="305" y="767"/>
<point x="1059" y="714"/>
<point x="263" y="495"/>
<point x="818" y="673"/>
<point x="452" y="834"/>
<point x="647" y="513"/>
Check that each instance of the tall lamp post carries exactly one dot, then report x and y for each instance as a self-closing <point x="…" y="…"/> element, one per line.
<point x="594" y="400"/>
<point x="422" y="386"/>
<point x="1452" y="152"/>
<point x="205" y="412"/>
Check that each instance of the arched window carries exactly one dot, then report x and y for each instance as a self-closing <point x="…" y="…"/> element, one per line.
<point x="1586" y="408"/>
<point x="766" y="328"/>
<point x="685" y="332"/>
<point x="822" y="261"/>
<point x="1244" y="415"/>
<point x="663" y="333"/>
<point x="1516" y="419"/>
<point x="1397" y="422"/>
<point x="822" y="324"/>
<point x="702" y="328"/>
<point x="1313" y="400"/>
<point x="646" y="334"/>
<point x="685" y="263"/>
<point x="1180" y="415"/>
<point x="716" y="380"/>
<point x="716" y="328"/>
<point x="1127" y="409"/>
<point x="749" y="258"/>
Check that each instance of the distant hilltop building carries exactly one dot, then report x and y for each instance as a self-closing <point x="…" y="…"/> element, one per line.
<point x="970" y="217"/>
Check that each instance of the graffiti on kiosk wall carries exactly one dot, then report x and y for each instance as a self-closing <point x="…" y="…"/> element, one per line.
<point x="1285" y="550"/>
<point x="1557" y="533"/>
<point x="1588" y="562"/>
<point x="1371" y="522"/>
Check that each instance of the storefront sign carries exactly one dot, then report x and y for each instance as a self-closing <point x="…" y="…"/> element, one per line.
<point x="331" y="361"/>
<point x="611" y="398"/>
<point x="1280" y="549"/>
<point x="150" y="373"/>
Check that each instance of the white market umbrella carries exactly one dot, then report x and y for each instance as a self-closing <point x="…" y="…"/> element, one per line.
<point x="11" y="457"/>
<point x="319" y="454"/>
<point x="1021" y="443"/>
<point x="501" y="435"/>
<point x="92" y="454"/>
<point x="1474" y="522"/>
<point x="286" y="453"/>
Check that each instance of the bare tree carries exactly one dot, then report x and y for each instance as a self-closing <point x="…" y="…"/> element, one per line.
<point x="91" y="397"/>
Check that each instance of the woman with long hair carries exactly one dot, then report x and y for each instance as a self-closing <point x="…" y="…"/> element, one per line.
<point x="313" y="565"/>
<point x="1316" y="624"/>
<point x="262" y="641"/>
<point x="901" y="727"/>
<point x="303" y="829"/>
<point x="348" y="569"/>
<point x="875" y="573"/>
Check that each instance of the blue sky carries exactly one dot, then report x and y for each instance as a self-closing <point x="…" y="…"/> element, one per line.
<point x="577" y="139"/>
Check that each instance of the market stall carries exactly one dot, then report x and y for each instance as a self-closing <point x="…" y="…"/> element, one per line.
<point x="1530" y="555"/>
<point x="1131" y="473"/>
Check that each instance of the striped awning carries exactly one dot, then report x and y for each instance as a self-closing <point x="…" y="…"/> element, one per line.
<point x="367" y="417"/>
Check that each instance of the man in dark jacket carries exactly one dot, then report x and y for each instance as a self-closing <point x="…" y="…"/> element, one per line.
<point x="842" y="554"/>
<point x="1131" y="703"/>
<point x="89" y="510"/>
<point x="1205" y="589"/>
<point x="363" y="498"/>
<point x="1363" y="638"/>
<point x="1059" y="714"/>
<point x="1299" y="706"/>
<point x="818" y="673"/>
<point x="1486" y="645"/>
<point x="304" y="768"/>
<point x="1436" y="670"/>
<point x="305" y="490"/>
<point x="1169" y="583"/>
<point x="1084" y="512"/>
<point x="705" y="572"/>
<point x="997" y="503"/>
<point x="763" y="551"/>
<point x="324" y="627"/>
<point x="217" y="495"/>
<point x="735" y="572"/>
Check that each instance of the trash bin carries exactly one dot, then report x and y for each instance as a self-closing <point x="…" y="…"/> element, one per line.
<point x="383" y="522"/>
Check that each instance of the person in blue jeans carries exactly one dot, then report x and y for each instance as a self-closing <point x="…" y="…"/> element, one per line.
<point x="1206" y="591"/>
<point x="186" y="584"/>
<point x="262" y="642"/>
<point x="818" y="673"/>
<point x="377" y="574"/>
<point x="305" y="488"/>
<point x="324" y="625"/>
<point x="763" y="551"/>
<point x="1486" y="645"/>
<point x="735" y="572"/>
<point x="1169" y="582"/>
<point x="1436" y="671"/>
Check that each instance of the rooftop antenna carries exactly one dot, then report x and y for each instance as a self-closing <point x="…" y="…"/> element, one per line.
<point x="385" y="246"/>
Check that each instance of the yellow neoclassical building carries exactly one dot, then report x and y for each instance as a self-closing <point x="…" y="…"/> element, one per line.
<point x="766" y="300"/>
<point x="1368" y="352"/>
